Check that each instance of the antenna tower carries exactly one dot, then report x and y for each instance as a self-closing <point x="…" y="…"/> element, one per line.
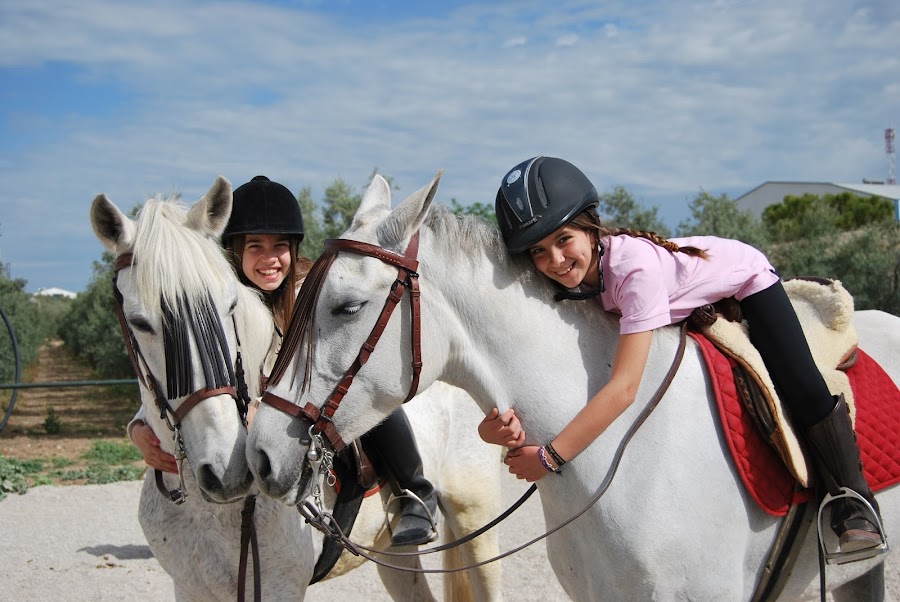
<point x="889" y="150"/>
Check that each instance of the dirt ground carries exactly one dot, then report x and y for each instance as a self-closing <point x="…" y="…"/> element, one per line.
<point x="84" y="414"/>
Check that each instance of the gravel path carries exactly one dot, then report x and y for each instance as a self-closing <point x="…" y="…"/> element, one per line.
<point x="84" y="543"/>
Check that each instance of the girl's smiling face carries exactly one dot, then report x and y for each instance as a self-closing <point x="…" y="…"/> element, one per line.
<point x="266" y="260"/>
<point x="567" y="256"/>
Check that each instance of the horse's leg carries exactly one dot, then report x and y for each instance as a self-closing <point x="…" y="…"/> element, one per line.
<point x="464" y="514"/>
<point x="865" y="588"/>
<point x="401" y="585"/>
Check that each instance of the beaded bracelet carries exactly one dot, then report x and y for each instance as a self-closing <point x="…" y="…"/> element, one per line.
<point x="543" y="459"/>
<point x="556" y="457"/>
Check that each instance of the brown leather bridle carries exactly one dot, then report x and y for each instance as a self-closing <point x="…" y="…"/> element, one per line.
<point x="304" y="314"/>
<point x="173" y="417"/>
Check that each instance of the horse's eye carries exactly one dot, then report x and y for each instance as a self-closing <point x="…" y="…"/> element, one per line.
<point x="348" y="309"/>
<point x="142" y="324"/>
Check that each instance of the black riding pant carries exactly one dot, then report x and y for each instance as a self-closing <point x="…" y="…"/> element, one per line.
<point x="775" y="331"/>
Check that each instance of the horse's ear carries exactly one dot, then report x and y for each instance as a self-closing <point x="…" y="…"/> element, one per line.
<point x="409" y="215"/>
<point x="377" y="196"/>
<point x="114" y="229"/>
<point x="210" y="214"/>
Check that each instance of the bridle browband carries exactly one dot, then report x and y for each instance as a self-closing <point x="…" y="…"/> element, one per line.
<point x="304" y="315"/>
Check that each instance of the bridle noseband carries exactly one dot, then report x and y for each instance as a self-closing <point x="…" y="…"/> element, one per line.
<point x="304" y="313"/>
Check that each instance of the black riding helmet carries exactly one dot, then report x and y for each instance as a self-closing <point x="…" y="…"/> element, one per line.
<point x="262" y="206"/>
<point x="539" y="196"/>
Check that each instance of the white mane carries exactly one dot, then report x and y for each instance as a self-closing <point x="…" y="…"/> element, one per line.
<point x="177" y="260"/>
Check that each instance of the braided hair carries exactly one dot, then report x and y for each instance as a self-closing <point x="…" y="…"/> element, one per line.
<point x="589" y="220"/>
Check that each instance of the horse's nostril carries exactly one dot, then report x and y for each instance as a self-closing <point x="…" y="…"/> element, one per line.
<point x="208" y="480"/>
<point x="263" y="466"/>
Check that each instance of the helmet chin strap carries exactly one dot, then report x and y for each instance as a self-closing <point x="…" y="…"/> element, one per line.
<point x="578" y="295"/>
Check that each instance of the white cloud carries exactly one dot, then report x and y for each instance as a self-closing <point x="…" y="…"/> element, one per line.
<point x="664" y="100"/>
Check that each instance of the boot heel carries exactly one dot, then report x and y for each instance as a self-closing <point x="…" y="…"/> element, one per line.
<point x="841" y="555"/>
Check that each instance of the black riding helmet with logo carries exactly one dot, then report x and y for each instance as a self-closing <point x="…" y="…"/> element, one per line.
<point x="539" y="196"/>
<point x="262" y="206"/>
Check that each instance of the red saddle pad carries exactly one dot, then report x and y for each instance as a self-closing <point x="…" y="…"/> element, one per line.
<point x="762" y="471"/>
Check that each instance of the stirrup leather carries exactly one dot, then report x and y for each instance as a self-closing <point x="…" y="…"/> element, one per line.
<point x="838" y="557"/>
<point x="406" y="493"/>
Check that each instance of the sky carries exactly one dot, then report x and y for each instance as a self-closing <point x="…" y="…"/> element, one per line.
<point x="665" y="98"/>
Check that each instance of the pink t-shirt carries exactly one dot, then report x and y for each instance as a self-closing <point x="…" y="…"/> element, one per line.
<point x="651" y="287"/>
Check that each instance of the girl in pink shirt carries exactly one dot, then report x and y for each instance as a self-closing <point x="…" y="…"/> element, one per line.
<point x="547" y="208"/>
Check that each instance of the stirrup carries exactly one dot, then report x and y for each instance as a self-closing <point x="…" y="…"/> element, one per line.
<point x="838" y="557"/>
<point x="406" y="493"/>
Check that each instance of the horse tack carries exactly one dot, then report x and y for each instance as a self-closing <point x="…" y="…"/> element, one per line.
<point x="407" y="279"/>
<point x="152" y="384"/>
<point x="241" y="399"/>
<point x="321" y="418"/>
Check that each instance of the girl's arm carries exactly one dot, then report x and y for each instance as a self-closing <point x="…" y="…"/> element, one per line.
<point x="607" y="405"/>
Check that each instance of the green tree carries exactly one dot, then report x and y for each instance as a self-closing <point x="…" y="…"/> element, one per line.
<point x="720" y="216"/>
<point x="479" y="210"/>
<point x="866" y="261"/>
<point x="91" y="328"/>
<point x="333" y="216"/>
<point x="619" y="209"/>
<point x="30" y="329"/>
<point x="314" y="235"/>
<point x="809" y="214"/>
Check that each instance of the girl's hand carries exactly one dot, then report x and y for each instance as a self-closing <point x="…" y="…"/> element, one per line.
<point x="502" y="429"/>
<point x="148" y="444"/>
<point x="525" y="463"/>
<point x="251" y="411"/>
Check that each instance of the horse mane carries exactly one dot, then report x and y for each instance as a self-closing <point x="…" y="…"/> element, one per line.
<point x="174" y="260"/>
<point x="473" y="238"/>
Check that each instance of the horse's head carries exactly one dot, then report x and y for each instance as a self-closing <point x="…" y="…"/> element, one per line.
<point x="183" y="312"/>
<point x="342" y="299"/>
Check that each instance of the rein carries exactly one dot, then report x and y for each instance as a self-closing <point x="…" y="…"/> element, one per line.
<point x="321" y="418"/>
<point x="304" y="315"/>
<point x="173" y="419"/>
<point x="324" y="522"/>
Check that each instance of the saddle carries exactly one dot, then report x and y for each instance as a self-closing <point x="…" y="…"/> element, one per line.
<point x="825" y="310"/>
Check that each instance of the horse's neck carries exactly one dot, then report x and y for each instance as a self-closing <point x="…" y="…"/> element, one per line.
<point x="510" y="344"/>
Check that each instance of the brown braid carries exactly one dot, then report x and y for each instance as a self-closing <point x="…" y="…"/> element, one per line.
<point x="590" y="220"/>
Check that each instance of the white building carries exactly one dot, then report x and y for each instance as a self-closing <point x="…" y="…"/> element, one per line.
<point x="770" y="193"/>
<point x="55" y="292"/>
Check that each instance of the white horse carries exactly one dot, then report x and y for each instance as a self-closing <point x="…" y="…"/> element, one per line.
<point x="176" y="259"/>
<point x="676" y="523"/>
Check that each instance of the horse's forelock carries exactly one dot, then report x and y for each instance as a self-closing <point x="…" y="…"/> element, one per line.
<point x="173" y="260"/>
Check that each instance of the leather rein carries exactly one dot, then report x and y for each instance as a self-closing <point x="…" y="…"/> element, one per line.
<point x="304" y="313"/>
<point x="321" y="418"/>
<point x="174" y="417"/>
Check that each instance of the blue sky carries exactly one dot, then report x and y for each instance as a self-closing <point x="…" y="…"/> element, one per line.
<point x="665" y="98"/>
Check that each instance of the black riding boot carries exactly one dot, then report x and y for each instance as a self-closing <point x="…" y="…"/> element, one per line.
<point x="395" y="447"/>
<point x="836" y="455"/>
